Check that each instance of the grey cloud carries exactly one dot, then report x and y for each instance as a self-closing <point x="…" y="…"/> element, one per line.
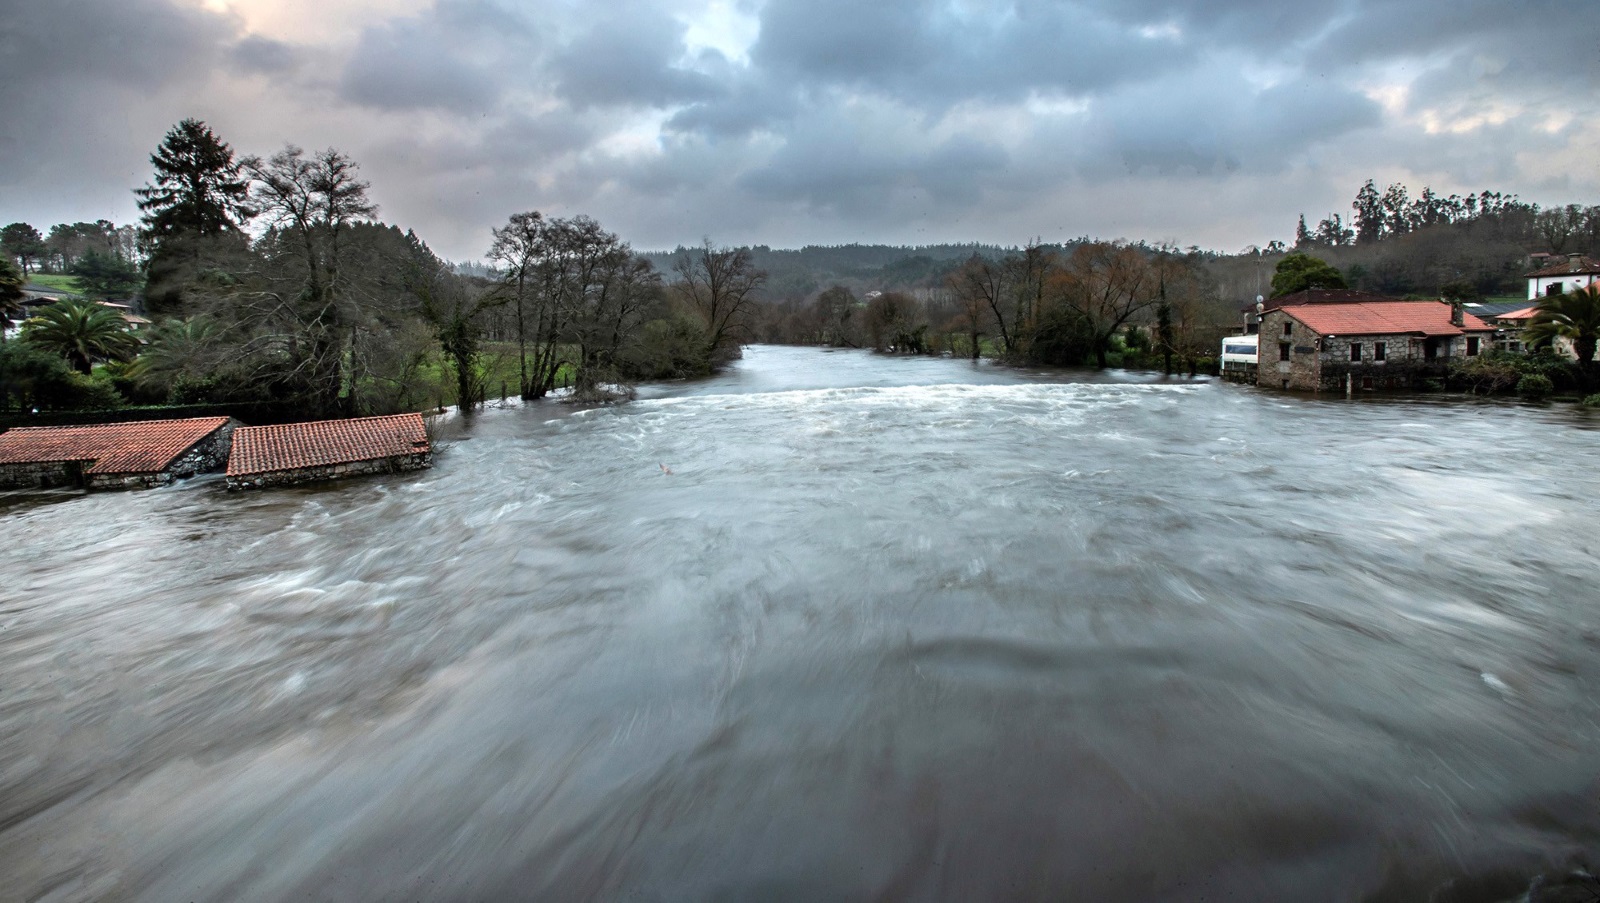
<point x="630" y="58"/>
<point x="459" y="56"/>
<point x="1210" y="123"/>
<point x="264" y="56"/>
<point x="147" y="43"/>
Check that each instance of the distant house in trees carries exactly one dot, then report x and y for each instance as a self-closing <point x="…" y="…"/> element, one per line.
<point x="1562" y="276"/>
<point x="1371" y="344"/>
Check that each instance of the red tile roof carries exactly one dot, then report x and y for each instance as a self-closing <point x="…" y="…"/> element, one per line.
<point x="1324" y="296"/>
<point x="1566" y="266"/>
<point x="146" y="446"/>
<point x="1525" y="313"/>
<point x="1430" y="318"/>
<point x="291" y="446"/>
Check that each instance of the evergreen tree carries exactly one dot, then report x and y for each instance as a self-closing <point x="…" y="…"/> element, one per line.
<point x="199" y="197"/>
<point x="1302" y="235"/>
<point x="23" y="243"/>
<point x="11" y="281"/>
<point x="1298" y="272"/>
<point x="105" y="277"/>
<point x="1369" y="214"/>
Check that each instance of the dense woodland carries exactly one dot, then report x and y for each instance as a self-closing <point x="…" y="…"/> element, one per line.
<point x="273" y="280"/>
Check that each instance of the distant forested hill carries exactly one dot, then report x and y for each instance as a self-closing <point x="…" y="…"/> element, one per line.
<point x="793" y="274"/>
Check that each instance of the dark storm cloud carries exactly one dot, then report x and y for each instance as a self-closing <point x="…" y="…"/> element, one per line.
<point x="934" y="53"/>
<point x="144" y="43"/>
<point x="628" y="57"/>
<point x="1210" y="122"/>
<point x="457" y="56"/>
<point x="838" y="117"/>
<point x="264" y="56"/>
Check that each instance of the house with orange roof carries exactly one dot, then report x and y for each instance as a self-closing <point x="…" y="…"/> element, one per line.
<point x="292" y="453"/>
<point x="113" y="455"/>
<point x="1365" y="344"/>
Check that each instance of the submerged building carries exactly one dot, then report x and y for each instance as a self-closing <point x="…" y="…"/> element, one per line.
<point x="113" y="455"/>
<point x="292" y="453"/>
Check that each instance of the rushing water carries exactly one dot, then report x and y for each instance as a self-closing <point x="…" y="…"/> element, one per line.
<point x="889" y="629"/>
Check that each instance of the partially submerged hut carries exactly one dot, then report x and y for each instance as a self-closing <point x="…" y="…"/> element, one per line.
<point x="292" y="453"/>
<point x="113" y="455"/>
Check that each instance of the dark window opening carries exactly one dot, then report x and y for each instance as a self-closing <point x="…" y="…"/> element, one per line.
<point x="1283" y="351"/>
<point x="1355" y="352"/>
<point x="1379" y="350"/>
<point x="1366" y="382"/>
<point x="1288" y="329"/>
<point x="1553" y="288"/>
<point x="1472" y="345"/>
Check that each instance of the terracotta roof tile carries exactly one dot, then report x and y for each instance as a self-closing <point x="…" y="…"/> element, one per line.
<point x="145" y="446"/>
<point x="1384" y="318"/>
<point x="1323" y="296"/>
<point x="291" y="446"/>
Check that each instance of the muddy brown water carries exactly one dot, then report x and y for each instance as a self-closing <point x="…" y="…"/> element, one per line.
<point x="890" y="629"/>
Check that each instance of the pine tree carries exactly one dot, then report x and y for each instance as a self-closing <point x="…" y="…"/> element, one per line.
<point x="199" y="196"/>
<point x="1302" y="235"/>
<point x="1369" y="214"/>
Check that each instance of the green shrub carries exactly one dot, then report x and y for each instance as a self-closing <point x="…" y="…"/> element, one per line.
<point x="1593" y="401"/>
<point x="33" y="378"/>
<point x="1535" y="386"/>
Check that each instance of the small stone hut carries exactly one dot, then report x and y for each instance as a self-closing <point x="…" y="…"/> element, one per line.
<point x="113" y="455"/>
<point x="291" y="453"/>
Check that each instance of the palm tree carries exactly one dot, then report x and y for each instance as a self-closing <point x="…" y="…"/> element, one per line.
<point x="81" y="331"/>
<point x="176" y="349"/>
<point x="11" y="295"/>
<point x="1574" y="316"/>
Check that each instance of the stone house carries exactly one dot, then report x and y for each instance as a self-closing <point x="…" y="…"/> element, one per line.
<point x="114" y="455"/>
<point x="1365" y="345"/>
<point x="1564" y="275"/>
<point x="292" y="453"/>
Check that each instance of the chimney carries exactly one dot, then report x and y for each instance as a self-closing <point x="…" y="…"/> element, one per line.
<point x="1574" y="262"/>
<point x="1458" y="314"/>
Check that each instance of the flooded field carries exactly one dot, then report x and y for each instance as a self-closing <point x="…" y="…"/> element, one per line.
<point x="830" y="626"/>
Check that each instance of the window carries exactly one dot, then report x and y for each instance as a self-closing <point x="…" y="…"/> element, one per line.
<point x="1553" y="288"/>
<point x="1472" y="345"/>
<point x="1355" y="352"/>
<point x="1283" y="351"/>
<point x="1288" y="328"/>
<point x="1379" y="350"/>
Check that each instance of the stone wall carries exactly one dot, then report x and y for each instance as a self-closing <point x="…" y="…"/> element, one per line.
<point x="1303" y="368"/>
<point x="395" y="464"/>
<point x="41" y="476"/>
<point x="210" y="453"/>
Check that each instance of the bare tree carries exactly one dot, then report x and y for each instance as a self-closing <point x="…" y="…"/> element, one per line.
<point x="982" y="285"/>
<point x="518" y="245"/>
<point x="720" y="284"/>
<point x="1106" y="285"/>
<point x="311" y="203"/>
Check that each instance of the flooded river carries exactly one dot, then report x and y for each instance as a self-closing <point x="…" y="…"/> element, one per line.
<point x="888" y="629"/>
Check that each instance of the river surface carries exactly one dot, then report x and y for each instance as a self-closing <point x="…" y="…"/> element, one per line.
<point x="894" y="629"/>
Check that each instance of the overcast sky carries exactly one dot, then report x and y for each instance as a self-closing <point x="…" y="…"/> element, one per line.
<point x="787" y="122"/>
